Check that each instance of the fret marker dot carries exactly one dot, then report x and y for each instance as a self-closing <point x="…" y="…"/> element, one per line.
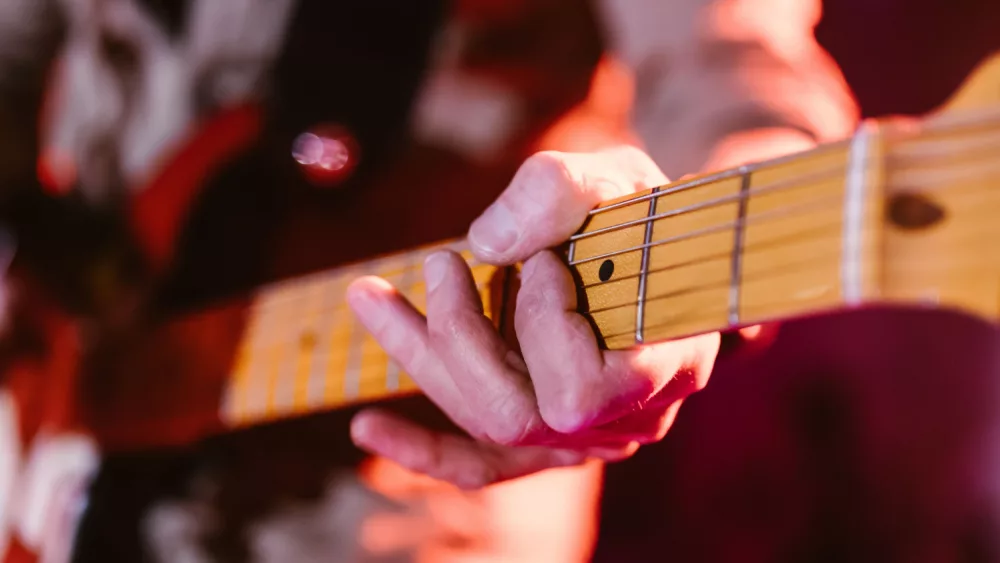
<point x="606" y="271"/>
<point x="308" y="340"/>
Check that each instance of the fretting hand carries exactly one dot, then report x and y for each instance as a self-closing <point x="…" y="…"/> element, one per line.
<point x="561" y="400"/>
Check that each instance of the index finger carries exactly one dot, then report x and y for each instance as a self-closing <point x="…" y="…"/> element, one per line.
<point x="550" y="196"/>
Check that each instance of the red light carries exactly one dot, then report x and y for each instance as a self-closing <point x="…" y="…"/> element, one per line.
<point x="327" y="154"/>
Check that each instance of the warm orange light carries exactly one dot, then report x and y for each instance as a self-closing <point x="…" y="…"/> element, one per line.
<point x="548" y="517"/>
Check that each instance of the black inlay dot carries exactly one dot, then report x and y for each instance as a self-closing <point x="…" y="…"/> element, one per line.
<point x="914" y="211"/>
<point x="606" y="271"/>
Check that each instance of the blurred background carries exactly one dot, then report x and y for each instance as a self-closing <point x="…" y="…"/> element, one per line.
<point x="161" y="155"/>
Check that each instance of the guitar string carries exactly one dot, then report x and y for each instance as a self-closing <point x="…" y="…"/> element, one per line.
<point x="741" y="196"/>
<point x="835" y="228"/>
<point x="685" y="185"/>
<point x="707" y="285"/>
<point x="752" y="219"/>
<point x="719" y="313"/>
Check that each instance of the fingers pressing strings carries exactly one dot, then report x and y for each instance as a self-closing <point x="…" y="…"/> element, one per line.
<point x="562" y="399"/>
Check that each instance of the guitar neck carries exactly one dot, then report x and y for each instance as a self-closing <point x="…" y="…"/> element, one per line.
<point x="845" y="224"/>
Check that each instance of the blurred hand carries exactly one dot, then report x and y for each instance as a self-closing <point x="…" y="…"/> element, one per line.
<point x="562" y="399"/>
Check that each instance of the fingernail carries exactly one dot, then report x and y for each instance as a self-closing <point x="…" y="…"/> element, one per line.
<point x="366" y="307"/>
<point x="435" y="267"/>
<point x="495" y="231"/>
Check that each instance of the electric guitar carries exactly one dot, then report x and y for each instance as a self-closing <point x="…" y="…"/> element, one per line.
<point x="901" y="213"/>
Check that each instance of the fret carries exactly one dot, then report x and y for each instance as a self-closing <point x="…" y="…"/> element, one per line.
<point x="739" y="231"/>
<point x="644" y="268"/>
<point x="858" y="187"/>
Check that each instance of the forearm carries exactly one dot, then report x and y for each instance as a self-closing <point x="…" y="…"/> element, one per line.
<point x="719" y="82"/>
